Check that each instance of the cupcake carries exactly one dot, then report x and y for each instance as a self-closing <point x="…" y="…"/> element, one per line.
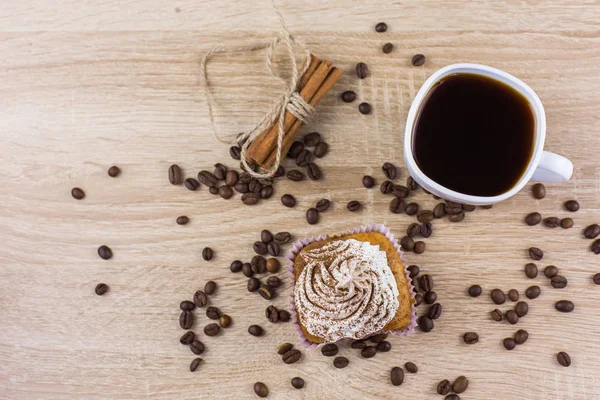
<point x="350" y="286"/>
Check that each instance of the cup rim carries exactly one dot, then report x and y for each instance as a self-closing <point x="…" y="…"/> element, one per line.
<point x="484" y="70"/>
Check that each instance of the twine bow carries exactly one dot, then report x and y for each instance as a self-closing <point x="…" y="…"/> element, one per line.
<point x="290" y="100"/>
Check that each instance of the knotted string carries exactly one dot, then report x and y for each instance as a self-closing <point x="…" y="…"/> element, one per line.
<point x="289" y="101"/>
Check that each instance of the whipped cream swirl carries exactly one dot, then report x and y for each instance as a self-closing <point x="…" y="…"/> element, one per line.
<point x="346" y="290"/>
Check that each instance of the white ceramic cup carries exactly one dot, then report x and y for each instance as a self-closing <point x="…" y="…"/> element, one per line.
<point x="544" y="166"/>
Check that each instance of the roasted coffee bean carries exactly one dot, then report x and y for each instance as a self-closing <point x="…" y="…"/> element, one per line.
<point x="596" y="279"/>
<point x="340" y="362"/>
<point x="512" y="317"/>
<point x="412" y="209"/>
<point x="456" y="217"/>
<point x="303" y="158"/>
<point x="531" y="270"/>
<point x="407" y="243"/>
<point x="539" y="191"/>
<point x="77" y="193"/>
<point x="266" y="192"/>
<point x="364" y="108"/>
<point x="471" y="337"/>
<point x="105" y="252"/>
<point x="288" y="200"/>
<point x="200" y="299"/>
<point x="187" y="305"/>
<point x="295" y="175"/>
<point x="386" y="187"/>
<point x="387" y="48"/>
<point x="329" y="350"/>
<point x="297" y="383"/>
<point x="359" y="344"/>
<point x="273" y="265"/>
<point x="259" y="264"/>
<point x="413" y="271"/>
<point x="312" y="139"/>
<point x="266" y="292"/>
<point x="435" y="311"/>
<point x="195" y="363"/>
<point x="183" y="220"/>
<point x="235" y="152"/>
<point x="565" y="306"/>
<point x="535" y="253"/>
<point x="291" y="356"/>
<point x="323" y="205"/>
<point x="368" y="352"/>
<point x="460" y="384"/>
<point x="380" y="337"/>
<point x="249" y="198"/>
<point x="595" y="247"/>
<point x="425" y="216"/>
<point x="521" y="336"/>
<point x="592" y="231"/>
<point x="411" y="367"/>
<point x="259" y="248"/>
<point x="415" y="283"/>
<point x="187" y="337"/>
<point x="266" y="236"/>
<point x="207" y="178"/>
<point x="418" y="60"/>
<point x="255" y="330"/>
<point x="521" y="308"/>
<point x="509" y="343"/>
<point x="444" y="387"/>
<point x="284" y="316"/>
<point x="224" y="321"/>
<point x="247" y="270"/>
<point x="572" y="205"/>
<point x="231" y="178"/>
<point x="213" y="190"/>
<point x="552" y="222"/>
<point x="468" y="207"/>
<point x="282" y="237"/>
<point x="348" y="96"/>
<point x="397" y="205"/>
<point x="197" y="347"/>
<point x="368" y="181"/>
<point x="513" y="294"/>
<point x="213" y="312"/>
<point x="411" y="184"/>
<point x="533" y="292"/>
<point x="295" y="149"/>
<point x="314" y="172"/>
<point x="566" y="223"/>
<point x="353" y="206"/>
<point x="389" y="171"/>
<point x="255" y="186"/>
<point x="381" y="27"/>
<point x="430" y="297"/>
<point x="245" y="178"/>
<point x="475" y="291"/>
<point x="284" y="348"/>
<point x="186" y="319"/>
<point x="533" y="218"/>
<point x="426" y="229"/>
<point x="220" y="171"/>
<point x="439" y="210"/>
<point x="272" y="314"/>
<point x="563" y="359"/>
<point x="101" y="289"/>
<point x="225" y="192"/>
<point x="114" y="171"/>
<point x="559" y="282"/>
<point x="496" y="315"/>
<point x="426" y="282"/>
<point x="261" y="389"/>
<point x="397" y="376"/>
<point x="273" y="249"/>
<point x="400" y="191"/>
<point x="413" y="230"/>
<point x="273" y="282"/>
<point x="207" y="254"/>
<point x="453" y="208"/>
<point x="384" y="346"/>
<point x="452" y="397"/>
<point x="312" y="216"/>
<point x="279" y="172"/>
<point x="174" y="174"/>
<point x="241" y="187"/>
<point x="253" y="284"/>
<point x="362" y="70"/>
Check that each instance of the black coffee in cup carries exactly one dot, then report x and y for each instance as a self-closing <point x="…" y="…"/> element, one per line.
<point x="474" y="135"/>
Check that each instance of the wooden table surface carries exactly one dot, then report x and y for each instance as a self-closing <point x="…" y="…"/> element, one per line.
<point x="88" y="85"/>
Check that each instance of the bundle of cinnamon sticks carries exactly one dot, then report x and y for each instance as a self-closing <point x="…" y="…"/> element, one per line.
<point x="318" y="79"/>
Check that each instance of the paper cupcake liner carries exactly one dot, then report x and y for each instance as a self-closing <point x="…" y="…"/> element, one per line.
<point x="297" y="246"/>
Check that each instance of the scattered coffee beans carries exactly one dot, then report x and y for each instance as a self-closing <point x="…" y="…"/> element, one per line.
<point x="411" y="367"/>
<point x="341" y="362"/>
<point x="558" y="282"/>
<point x="273" y="265"/>
<point x="419" y="247"/>
<point x="195" y="363"/>
<point x="329" y="350"/>
<point x="213" y="312"/>
<point x="596" y="279"/>
<point x="565" y="306"/>
<point x="592" y="231"/>
<point x="456" y="217"/>
<point x="509" y="343"/>
<point x="207" y="254"/>
<point x="187" y="305"/>
<point x="187" y="337"/>
<point x="471" y="338"/>
<point x="521" y="308"/>
<point x="397" y="205"/>
<point x="101" y="289"/>
<point x="533" y="219"/>
<point x="535" y="253"/>
<point x="411" y="184"/>
<point x="407" y="243"/>
<point x="439" y="210"/>
<point x="435" y="311"/>
<point x="225" y="192"/>
<point x="273" y="249"/>
<point x="364" y="108"/>
<point x="261" y="389"/>
<point x="572" y="205"/>
<point x="368" y="181"/>
<point x="225" y="321"/>
<point x="312" y="216"/>
<point x="389" y="170"/>
<point x="539" y="191"/>
<point x="235" y="152"/>
<point x="384" y="346"/>
<point x="348" y="96"/>
<point x="533" y="292"/>
<point x="284" y="348"/>
<point x="321" y="149"/>
<point x="297" y="383"/>
<point x="425" y="216"/>
<point x="475" y="291"/>
<point x="512" y="317"/>
<point x="282" y="237"/>
<point x="566" y="223"/>
<point x="288" y="200"/>
<point x="413" y="229"/>
<point x="460" y="384"/>
<point x="174" y="174"/>
<point x="114" y="171"/>
<point x="412" y="209"/>
<point x="595" y="247"/>
<point x="255" y="330"/>
<point x="552" y="222"/>
<point x="200" y="299"/>
<point x="249" y="198"/>
<point x="191" y="184"/>
<point x="430" y="297"/>
<point x="323" y="205"/>
<point x="531" y="270"/>
<point x="186" y="320"/>
<point x="496" y="315"/>
<point x="359" y="344"/>
<point x="105" y="252"/>
<point x="387" y="48"/>
<point x="563" y="359"/>
<point x="362" y="70"/>
<point x="397" y="376"/>
<point x="291" y="356"/>
<point x="414" y="271"/>
<point x="521" y="336"/>
<point x="312" y="139"/>
<point x="197" y="347"/>
<point x="418" y="60"/>
<point x="452" y="397"/>
<point x="444" y="387"/>
<point x="210" y="287"/>
<point x="295" y="149"/>
<point x="513" y="295"/>
<point x="183" y="220"/>
<point x="380" y="337"/>
<point x="353" y="206"/>
<point x="426" y="229"/>
<point x="295" y="175"/>
<point x="368" y="352"/>
<point x="381" y="27"/>
<point x="498" y="296"/>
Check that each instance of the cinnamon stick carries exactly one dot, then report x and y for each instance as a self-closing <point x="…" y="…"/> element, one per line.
<point x="291" y="134"/>
<point x="259" y="150"/>
<point x="314" y="63"/>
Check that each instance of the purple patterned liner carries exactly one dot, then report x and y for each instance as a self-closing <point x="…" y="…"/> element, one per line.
<point x="297" y="246"/>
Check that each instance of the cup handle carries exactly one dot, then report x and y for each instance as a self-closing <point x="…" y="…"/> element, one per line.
<point x="553" y="168"/>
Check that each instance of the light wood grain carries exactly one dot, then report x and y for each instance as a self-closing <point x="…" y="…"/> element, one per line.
<point x="88" y="85"/>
